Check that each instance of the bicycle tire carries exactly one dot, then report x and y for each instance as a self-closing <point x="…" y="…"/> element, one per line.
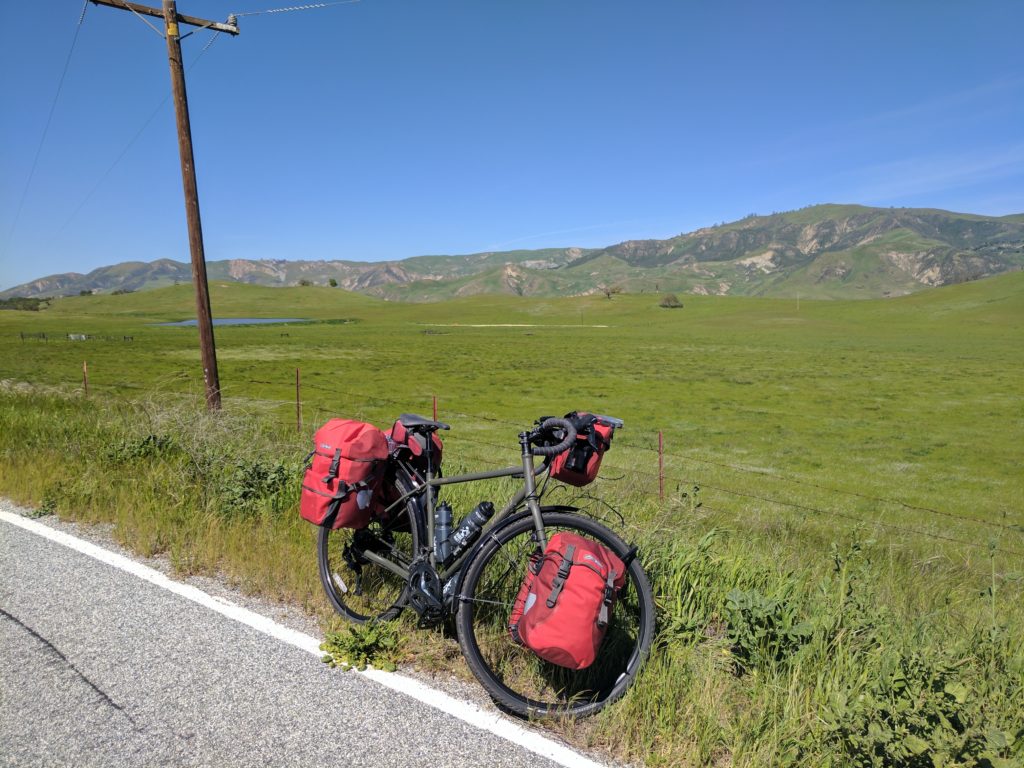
<point x="371" y="593"/>
<point x="519" y="681"/>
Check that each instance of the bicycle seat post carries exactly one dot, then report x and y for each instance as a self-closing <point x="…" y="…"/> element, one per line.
<point x="429" y="451"/>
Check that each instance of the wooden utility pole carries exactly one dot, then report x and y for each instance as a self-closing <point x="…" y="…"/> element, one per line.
<point x="204" y="318"/>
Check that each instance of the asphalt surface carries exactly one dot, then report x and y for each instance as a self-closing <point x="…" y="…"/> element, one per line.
<point x="100" y="668"/>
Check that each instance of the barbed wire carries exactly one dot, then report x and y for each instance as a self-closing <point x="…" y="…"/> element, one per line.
<point x="670" y="477"/>
<point x="818" y="486"/>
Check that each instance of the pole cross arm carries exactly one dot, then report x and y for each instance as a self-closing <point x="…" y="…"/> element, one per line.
<point x="145" y="10"/>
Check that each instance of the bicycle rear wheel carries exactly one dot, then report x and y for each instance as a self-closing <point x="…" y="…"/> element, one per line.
<point x="358" y="589"/>
<point x="514" y="676"/>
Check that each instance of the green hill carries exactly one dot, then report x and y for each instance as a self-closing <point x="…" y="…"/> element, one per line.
<point x="823" y="251"/>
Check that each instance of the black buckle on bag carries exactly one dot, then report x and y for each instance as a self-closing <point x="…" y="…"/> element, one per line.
<point x="563" y="573"/>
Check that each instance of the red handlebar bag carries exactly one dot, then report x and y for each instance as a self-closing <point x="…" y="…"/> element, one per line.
<point x="579" y="464"/>
<point x="569" y="597"/>
<point x="347" y="465"/>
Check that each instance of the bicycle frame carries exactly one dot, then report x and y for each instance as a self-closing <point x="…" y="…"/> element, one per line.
<point x="527" y="493"/>
<point x="375" y="572"/>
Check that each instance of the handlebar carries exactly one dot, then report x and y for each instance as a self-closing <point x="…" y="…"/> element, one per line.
<point x="551" y="424"/>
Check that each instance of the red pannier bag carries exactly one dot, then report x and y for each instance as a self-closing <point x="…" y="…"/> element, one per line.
<point x="579" y="464"/>
<point x="411" y="448"/>
<point x="347" y="465"/>
<point x="416" y="444"/>
<point x="566" y="600"/>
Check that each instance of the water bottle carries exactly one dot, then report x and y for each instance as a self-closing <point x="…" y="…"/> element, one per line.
<point x="442" y="532"/>
<point x="469" y="529"/>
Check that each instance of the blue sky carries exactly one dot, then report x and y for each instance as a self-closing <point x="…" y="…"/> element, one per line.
<point x="383" y="129"/>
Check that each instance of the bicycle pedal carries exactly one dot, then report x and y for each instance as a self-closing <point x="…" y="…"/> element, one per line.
<point x="425" y="593"/>
<point x="430" y="618"/>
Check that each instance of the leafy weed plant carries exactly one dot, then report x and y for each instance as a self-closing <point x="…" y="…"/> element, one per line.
<point x="358" y="645"/>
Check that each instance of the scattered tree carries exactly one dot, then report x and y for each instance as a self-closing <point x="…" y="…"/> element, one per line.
<point x="305" y="283"/>
<point x="22" y="303"/>
<point x="85" y="292"/>
<point x="333" y="283"/>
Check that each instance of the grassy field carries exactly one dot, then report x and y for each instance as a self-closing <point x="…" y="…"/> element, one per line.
<point x="840" y="548"/>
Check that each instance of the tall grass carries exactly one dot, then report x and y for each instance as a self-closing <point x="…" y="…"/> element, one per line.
<point x="847" y="652"/>
<point x="838" y="556"/>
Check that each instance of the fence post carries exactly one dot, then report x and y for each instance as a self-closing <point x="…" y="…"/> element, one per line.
<point x="661" y="466"/>
<point x="298" y="402"/>
<point x="85" y="377"/>
<point x="435" y="407"/>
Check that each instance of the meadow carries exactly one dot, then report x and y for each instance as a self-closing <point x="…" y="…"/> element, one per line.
<point x="838" y="549"/>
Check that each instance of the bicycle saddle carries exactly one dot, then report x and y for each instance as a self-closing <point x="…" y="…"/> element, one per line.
<point x="415" y="423"/>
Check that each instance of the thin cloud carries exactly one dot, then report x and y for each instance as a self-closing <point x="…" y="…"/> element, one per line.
<point x="935" y="173"/>
<point x="997" y="89"/>
<point x="830" y="138"/>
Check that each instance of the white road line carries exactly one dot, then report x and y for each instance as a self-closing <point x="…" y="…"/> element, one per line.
<point x="468" y="712"/>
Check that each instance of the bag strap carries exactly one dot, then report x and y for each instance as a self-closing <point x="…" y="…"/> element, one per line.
<point x="609" y="598"/>
<point x="563" y="573"/>
<point x="333" y="471"/>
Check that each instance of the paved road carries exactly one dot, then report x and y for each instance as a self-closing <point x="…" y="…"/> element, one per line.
<point x="100" y="668"/>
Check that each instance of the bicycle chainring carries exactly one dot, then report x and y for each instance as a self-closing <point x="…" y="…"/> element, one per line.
<point x="425" y="595"/>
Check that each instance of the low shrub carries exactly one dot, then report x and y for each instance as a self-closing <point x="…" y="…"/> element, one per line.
<point x="765" y="630"/>
<point x="670" y="301"/>
<point x="254" y="484"/>
<point x="376" y="643"/>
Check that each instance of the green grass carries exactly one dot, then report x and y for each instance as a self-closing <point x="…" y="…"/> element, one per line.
<point x="839" y="555"/>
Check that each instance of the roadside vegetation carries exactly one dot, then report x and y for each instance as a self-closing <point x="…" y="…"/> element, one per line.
<point x="838" y="549"/>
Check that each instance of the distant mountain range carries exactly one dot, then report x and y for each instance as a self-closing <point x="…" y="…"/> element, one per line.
<point x="823" y="251"/>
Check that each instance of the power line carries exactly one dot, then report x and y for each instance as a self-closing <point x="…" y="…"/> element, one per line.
<point x="131" y="143"/>
<point x="290" y="8"/>
<point x="49" y="119"/>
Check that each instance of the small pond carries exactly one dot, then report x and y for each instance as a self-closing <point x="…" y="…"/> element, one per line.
<point x="240" y="321"/>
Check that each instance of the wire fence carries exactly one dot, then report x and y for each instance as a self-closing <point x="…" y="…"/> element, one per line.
<point x="687" y="482"/>
<point x="696" y="482"/>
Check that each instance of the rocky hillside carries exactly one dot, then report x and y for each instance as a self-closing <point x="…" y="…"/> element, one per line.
<point x="824" y="251"/>
<point x="832" y="250"/>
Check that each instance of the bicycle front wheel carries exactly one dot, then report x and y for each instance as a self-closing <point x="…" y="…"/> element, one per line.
<point x="514" y="676"/>
<point x="357" y="588"/>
